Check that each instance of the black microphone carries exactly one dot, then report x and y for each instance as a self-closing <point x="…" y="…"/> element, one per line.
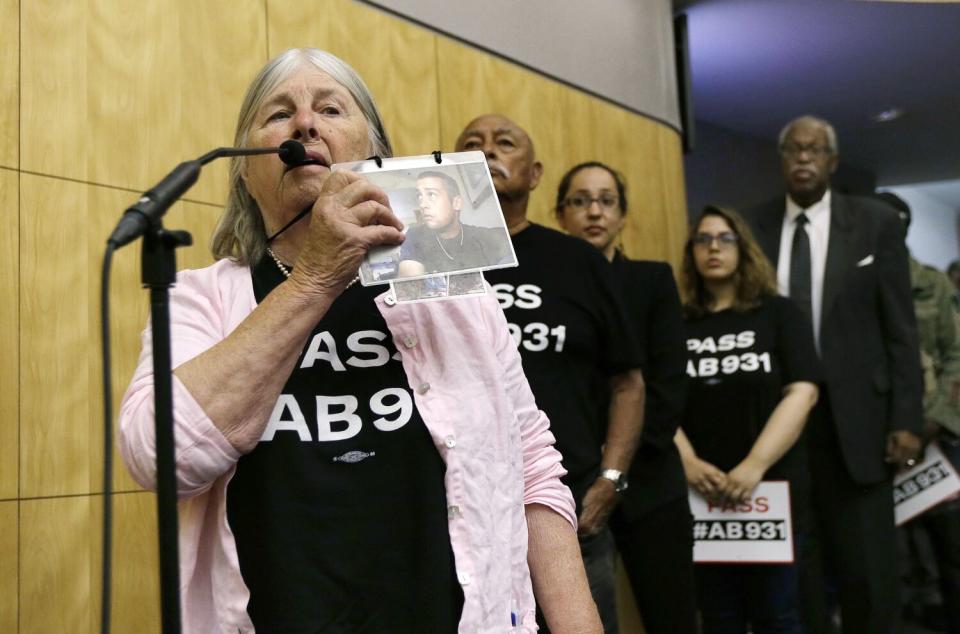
<point x="293" y="153"/>
<point x="155" y="201"/>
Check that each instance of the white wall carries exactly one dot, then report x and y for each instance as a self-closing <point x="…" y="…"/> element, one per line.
<point x="621" y="50"/>
<point x="935" y="208"/>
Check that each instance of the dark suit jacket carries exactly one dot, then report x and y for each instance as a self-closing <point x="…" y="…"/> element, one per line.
<point x="653" y="308"/>
<point x="868" y="333"/>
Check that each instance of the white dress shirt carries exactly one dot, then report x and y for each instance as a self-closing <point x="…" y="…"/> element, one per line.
<point x="818" y="230"/>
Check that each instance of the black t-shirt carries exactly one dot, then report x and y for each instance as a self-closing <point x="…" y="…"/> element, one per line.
<point x="473" y="248"/>
<point x="339" y="513"/>
<point x="738" y="364"/>
<point x="653" y="308"/>
<point x="565" y="312"/>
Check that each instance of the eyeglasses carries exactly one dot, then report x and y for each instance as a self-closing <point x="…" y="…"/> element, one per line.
<point x="724" y="240"/>
<point x="582" y="203"/>
<point x="793" y="150"/>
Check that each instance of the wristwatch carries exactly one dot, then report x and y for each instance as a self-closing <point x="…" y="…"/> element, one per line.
<point x="619" y="480"/>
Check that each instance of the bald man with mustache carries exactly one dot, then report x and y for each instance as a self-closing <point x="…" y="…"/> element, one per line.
<point x="578" y="352"/>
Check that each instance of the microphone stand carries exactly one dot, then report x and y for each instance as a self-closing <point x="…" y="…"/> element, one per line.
<point x="158" y="273"/>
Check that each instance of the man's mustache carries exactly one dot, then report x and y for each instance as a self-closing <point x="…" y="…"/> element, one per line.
<point x="496" y="166"/>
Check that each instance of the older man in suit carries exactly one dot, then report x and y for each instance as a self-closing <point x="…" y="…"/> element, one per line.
<point x="843" y="260"/>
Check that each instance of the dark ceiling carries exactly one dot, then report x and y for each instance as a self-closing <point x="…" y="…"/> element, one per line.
<point x="756" y="64"/>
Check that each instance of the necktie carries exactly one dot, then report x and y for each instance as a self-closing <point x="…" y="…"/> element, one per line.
<point x="800" y="268"/>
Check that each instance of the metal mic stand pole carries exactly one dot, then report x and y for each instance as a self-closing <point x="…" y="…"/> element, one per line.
<point x="158" y="272"/>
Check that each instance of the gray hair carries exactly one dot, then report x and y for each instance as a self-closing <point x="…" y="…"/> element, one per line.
<point x="240" y="234"/>
<point x="817" y="121"/>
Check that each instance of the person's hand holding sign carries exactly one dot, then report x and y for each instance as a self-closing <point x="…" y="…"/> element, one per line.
<point x="742" y="480"/>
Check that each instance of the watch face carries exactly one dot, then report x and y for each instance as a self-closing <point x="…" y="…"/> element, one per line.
<point x="619" y="480"/>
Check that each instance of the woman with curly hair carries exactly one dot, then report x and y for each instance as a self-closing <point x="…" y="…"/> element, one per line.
<point x="753" y="371"/>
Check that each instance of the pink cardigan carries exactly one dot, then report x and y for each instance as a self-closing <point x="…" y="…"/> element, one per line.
<point x="475" y="402"/>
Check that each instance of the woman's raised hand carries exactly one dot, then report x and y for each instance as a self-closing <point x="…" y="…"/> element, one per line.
<point x="350" y="216"/>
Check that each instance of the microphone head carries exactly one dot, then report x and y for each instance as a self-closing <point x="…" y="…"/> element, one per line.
<point x="292" y="153"/>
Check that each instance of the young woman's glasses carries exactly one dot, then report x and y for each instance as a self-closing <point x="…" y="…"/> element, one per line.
<point x="724" y="240"/>
<point x="581" y="203"/>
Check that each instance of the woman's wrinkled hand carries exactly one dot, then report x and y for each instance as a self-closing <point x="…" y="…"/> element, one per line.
<point x="350" y="217"/>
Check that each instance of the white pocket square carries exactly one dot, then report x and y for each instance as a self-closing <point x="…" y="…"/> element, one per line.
<point x="866" y="261"/>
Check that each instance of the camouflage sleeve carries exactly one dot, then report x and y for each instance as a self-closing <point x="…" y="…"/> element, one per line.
<point x="942" y="404"/>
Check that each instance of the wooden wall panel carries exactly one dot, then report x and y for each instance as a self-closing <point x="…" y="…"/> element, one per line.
<point x="135" y="602"/>
<point x="62" y="238"/>
<point x="395" y="59"/>
<point x="9" y="334"/>
<point x="57" y="390"/>
<point x="200" y="220"/>
<point x="61" y="446"/>
<point x="10" y="84"/>
<point x="9" y="565"/>
<point x="59" y="559"/>
<point x="675" y="195"/>
<point x="473" y="83"/>
<point x="118" y="93"/>
<point x="569" y="127"/>
<point x="56" y="119"/>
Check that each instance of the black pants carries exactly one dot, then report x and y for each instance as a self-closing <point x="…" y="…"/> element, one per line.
<point x="856" y="537"/>
<point x="942" y="528"/>
<point x="657" y="553"/>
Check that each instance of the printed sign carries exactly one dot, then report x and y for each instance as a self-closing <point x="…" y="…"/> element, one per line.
<point x="756" y="531"/>
<point x="924" y="486"/>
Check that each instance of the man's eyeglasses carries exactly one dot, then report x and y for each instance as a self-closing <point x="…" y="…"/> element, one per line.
<point x="724" y="240"/>
<point x="793" y="150"/>
<point x="581" y="203"/>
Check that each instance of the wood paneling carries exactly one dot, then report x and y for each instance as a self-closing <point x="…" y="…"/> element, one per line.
<point x="60" y="559"/>
<point x="59" y="555"/>
<point x="10" y="83"/>
<point x="62" y="239"/>
<point x="118" y="93"/>
<point x="9" y="565"/>
<point x="200" y="220"/>
<point x="9" y="334"/>
<point x="474" y="83"/>
<point x="395" y="59"/>
<point x="61" y="434"/>
<point x="58" y="340"/>
<point x="135" y="601"/>
<point x="569" y="127"/>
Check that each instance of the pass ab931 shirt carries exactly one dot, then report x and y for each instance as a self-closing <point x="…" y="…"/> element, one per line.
<point x="339" y="513"/>
<point x="564" y="311"/>
<point x="738" y="364"/>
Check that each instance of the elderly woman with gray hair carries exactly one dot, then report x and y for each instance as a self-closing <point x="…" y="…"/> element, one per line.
<point x="346" y="463"/>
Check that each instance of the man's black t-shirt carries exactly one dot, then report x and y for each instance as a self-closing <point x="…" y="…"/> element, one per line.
<point x="738" y="364"/>
<point x="339" y="513"/>
<point x="564" y="311"/>
<point x="473" y="248"/>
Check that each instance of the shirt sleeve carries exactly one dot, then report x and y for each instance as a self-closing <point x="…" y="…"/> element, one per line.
<point x="202" y="452"/>
<point x="797" y="353"/>
<point x="665" y="360"/>
<point x="542" y="468"/>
